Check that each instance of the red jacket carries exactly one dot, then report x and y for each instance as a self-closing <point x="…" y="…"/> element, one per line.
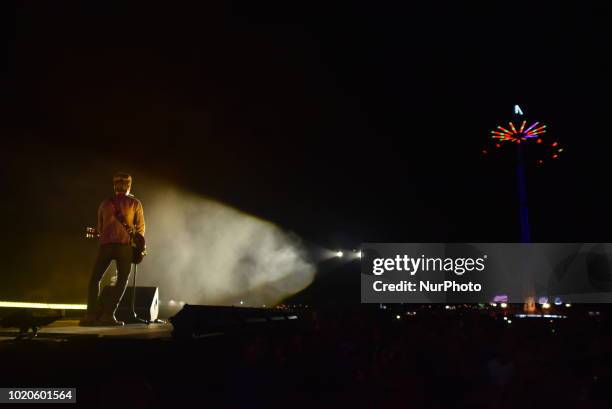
<point x="111" y="230"/>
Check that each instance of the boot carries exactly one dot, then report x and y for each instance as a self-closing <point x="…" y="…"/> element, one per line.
<point x="90" y="320"/>
<point x="109" y="320"/>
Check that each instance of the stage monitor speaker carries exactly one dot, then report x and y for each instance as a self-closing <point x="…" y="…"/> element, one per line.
<point x="147" y="303"/>
<point x="200" y="320"/>
<point x="26" y="319"/>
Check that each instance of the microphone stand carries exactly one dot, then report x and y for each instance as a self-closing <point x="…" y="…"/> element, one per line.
<point x="135" y="319"/>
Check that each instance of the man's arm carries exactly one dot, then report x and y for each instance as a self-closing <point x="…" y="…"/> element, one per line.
<point x="139" y="221"/>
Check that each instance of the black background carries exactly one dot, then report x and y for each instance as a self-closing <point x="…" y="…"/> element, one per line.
<point x="344" y="122"/>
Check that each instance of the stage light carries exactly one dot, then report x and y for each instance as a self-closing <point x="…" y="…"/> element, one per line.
<point x="546" y="306"/>
<point x="398" y="317"/>
<point x="503" y="305"/>
<point x="26" y="320"/>
<point x="568" y="305"/>
<point x="11" y="304"/>
<point x="509" y="321"/>
<point x="493" y="304"/>
<point x="339" y="254"/>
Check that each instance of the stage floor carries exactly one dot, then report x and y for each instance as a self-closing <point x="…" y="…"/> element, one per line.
<point x="70" y="329"/>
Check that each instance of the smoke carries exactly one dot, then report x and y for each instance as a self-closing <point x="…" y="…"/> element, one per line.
<point x="203" y="252"/>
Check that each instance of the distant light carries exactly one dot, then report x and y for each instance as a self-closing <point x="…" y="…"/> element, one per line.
<point x="546" y="305"/>
<point x="398" y="317"/>
<point x="241" y="302"/>
<point x="568" y="305"/>
<point x="518" y="110"/>
<point x="359" y="254"/>
<point x="509" y="321"/>
<point x="12" y="304"/>
<point x="493" y="304"/>
<point x="339" y="254"/>
<point x="503" y="305"/>
<point x="543" y="300"/>
<point x="505" y="318"/>
<point x="540" y="316"/>
<point x="172" y="302"/>
<point x="558" y="301"/>
<point x="447" y="307"/>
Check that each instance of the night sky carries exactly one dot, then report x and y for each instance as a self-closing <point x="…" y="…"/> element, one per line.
<point x="342" y="122"/>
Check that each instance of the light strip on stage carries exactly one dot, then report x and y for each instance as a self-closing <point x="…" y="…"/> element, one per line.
<point x="11" y="304"/>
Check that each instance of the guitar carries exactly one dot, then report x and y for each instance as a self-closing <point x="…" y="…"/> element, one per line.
<point x="137" y="241"/>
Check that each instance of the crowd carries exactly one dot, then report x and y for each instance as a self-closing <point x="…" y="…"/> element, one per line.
<point x="365" y="357"/>
<point x="429" y="359"/>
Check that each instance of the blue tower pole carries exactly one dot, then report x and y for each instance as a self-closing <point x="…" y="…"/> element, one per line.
<point x="529" y="296"/>
<point x="522" y="193"/>
<point x="522" y="186"/>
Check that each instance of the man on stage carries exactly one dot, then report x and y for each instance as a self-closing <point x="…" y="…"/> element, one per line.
<point x="118" y="218"/>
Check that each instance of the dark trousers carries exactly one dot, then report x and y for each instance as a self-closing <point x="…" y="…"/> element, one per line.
<point x="122" y="254"/>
